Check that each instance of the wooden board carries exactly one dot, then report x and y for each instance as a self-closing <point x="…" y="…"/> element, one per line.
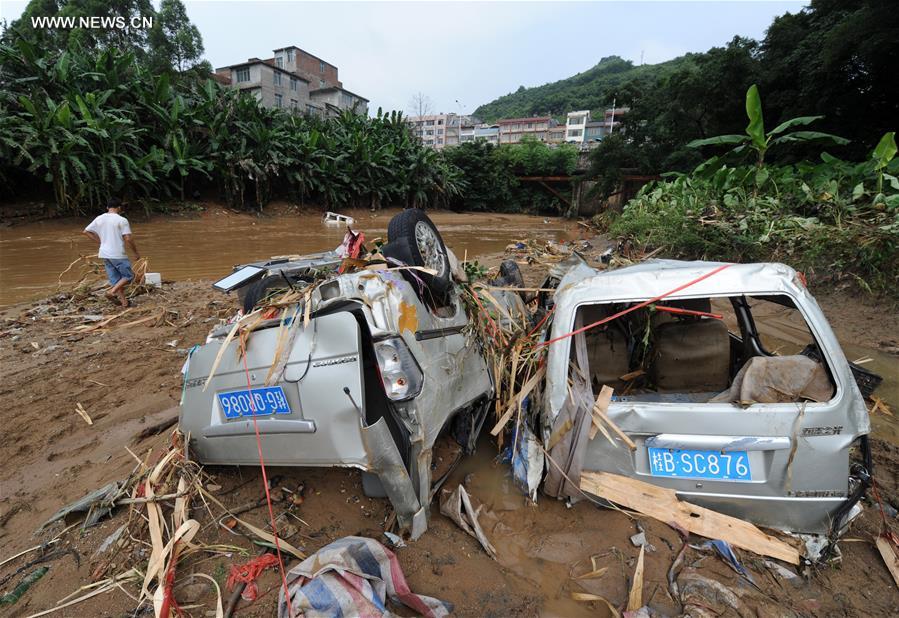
<point x="663" y="504"/>
<point x="889" y="557"/>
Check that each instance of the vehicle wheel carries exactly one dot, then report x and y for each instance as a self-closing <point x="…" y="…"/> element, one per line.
<point x="425" y="248"/>
<point x="262" y="289"/>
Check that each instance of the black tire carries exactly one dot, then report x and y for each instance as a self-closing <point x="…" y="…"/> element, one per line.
<point x="259" y="290"/>
<point x="405" y="232"/>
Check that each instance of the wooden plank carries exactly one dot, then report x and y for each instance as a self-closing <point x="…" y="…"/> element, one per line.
<point x="599" y="414"/>
<point x="635" y="598"/>
<point x="663" y="504"/>
<point x="889" y="557"/>
<point x="601" y="405"/>
<point x="513" y="403"/>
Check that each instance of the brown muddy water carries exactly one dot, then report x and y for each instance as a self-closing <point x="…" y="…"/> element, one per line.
<point x="32" y="256"/>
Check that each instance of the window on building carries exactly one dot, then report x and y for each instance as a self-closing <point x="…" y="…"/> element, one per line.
<point x="279" y="100"/>
<point x="294" y="104"/>
<point x="243" y="75"/>
<point x="321" y="83"/>
<point x="439" y="141"/>
<point x="276" y="78"/>
<point x="289" y="55"/>
<point x="346" y="100"/>
<point x="430" y="123"/>
<point x="575" y="133"/>
<point x="279" y="61"/>
<point x="311" y="110"/>
<point x="440" y="121"/>
<point x="439" y="131"/>
<point x="321" y="67"/>
<point x="429" y="132"/>
<point x="293" y="83"/>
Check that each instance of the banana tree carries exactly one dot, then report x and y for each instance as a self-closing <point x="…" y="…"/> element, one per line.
<point x="756" y="139"/>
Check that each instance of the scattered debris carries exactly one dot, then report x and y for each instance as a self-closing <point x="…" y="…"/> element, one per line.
<point x="886" y="545"/>
<point x="353" y="576"/>
<point x="24" y="585"/>
<point x="663" y="504"/>
<point x="457" y="506"/>
<point x="394" y="539"/>
<point x="635" y="598"/>
<point x="83" y="413"/>
<point x="97" y="504"/>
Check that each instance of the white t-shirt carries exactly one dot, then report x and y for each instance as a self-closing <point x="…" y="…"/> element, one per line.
<point x="110" y="227"/>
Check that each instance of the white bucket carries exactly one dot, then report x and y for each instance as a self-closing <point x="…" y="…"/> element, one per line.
<point x="153" y="279"/>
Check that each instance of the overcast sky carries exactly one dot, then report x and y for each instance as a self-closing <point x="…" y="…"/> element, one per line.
<point x="463" y="51"/>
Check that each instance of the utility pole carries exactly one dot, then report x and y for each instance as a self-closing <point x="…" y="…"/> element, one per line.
<point x="612" y="125"/>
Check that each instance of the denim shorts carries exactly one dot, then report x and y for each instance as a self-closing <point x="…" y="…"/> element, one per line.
<point x="116" y="270"/>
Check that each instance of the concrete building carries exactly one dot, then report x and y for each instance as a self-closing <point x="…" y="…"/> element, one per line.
<point x="335" y="99"/>
<point x="575" y="124"/>
<point x="293" y="79"/>
<point x="512" y="130"/>
<point x="430" y="129"/>
<point x="556" y="135"/>
<point x="440" y="130"/>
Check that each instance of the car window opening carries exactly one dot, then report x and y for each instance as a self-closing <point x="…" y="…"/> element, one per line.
<point x="737" y="349"/>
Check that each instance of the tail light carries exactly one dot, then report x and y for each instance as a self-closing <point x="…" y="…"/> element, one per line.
<point x="400" y="373"/>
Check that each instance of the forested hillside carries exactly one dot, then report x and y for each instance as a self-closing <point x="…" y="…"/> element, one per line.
<point x="591" y="90"/>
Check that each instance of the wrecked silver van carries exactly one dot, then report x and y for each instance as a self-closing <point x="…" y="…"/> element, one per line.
<point x="728" y="382"/>
<point x="366" y="372"/>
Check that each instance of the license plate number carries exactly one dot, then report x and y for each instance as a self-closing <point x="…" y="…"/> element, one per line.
<point x="259" y="401"/>
<point x="691" y="464"/>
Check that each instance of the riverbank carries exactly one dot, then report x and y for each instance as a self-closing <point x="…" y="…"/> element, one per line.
<point x="126" y="376"/>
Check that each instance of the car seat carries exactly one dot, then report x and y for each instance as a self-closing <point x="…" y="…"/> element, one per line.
<point x="690" y="353"/>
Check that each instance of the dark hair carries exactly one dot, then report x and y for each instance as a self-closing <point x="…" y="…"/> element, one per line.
<point x="114" y="202"/>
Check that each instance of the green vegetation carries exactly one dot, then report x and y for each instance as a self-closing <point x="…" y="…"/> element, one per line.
<point x="96" y="123"/>
<point x="593" y="89"/>
<point x="833" y="219"/>
<point x="491" y="174"/>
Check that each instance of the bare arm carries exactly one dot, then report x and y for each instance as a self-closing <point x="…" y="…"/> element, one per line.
<point x="129" y="241"/>
<point x="92" y="235"/>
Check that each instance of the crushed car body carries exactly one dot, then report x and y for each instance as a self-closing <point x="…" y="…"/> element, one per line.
<point x="711" y="408"/>
<point x="365" y="372"/>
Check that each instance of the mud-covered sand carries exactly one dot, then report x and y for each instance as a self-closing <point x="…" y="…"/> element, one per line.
<point x="127" y="379"/>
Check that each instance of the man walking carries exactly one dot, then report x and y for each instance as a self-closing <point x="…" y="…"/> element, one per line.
<point x="112" y="231"/>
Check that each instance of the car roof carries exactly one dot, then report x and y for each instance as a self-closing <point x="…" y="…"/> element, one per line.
<point x="676" y="279"/>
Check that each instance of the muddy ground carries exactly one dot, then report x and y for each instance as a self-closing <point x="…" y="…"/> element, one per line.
<point x="127" y="379"/>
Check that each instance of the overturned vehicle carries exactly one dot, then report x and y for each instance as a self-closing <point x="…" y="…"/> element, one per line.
<point x="362" y="369"/>
<point x="729" y="387"/>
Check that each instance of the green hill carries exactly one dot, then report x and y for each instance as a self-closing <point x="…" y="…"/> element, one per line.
<point x="592" y="89"/>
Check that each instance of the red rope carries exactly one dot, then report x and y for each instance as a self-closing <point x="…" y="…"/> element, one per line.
<point x="248" y="572"/>
<point x="268" y="497"/>
<point x="637" y="306"/>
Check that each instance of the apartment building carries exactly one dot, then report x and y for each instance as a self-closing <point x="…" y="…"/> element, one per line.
<point x="575" y="125"/>
<point x="293" y="79"/>
<point x="512" y="130"/>
<point x="439" y="130"/>
<point x="581" y="129"/>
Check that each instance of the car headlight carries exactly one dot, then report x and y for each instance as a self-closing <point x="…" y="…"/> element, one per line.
<point x="400" y="373"/>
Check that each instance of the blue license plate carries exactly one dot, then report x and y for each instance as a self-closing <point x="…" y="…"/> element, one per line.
<point x="260" y="401"/>
<point x="690" y="464"/>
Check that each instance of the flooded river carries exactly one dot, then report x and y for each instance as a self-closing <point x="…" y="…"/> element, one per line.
<point x="32" y="256"/>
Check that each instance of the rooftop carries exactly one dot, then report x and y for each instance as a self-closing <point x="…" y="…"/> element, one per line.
<point x="531" y="119"/>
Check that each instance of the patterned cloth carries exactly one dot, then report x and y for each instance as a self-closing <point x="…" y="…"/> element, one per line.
<point x="353" y="576"/>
